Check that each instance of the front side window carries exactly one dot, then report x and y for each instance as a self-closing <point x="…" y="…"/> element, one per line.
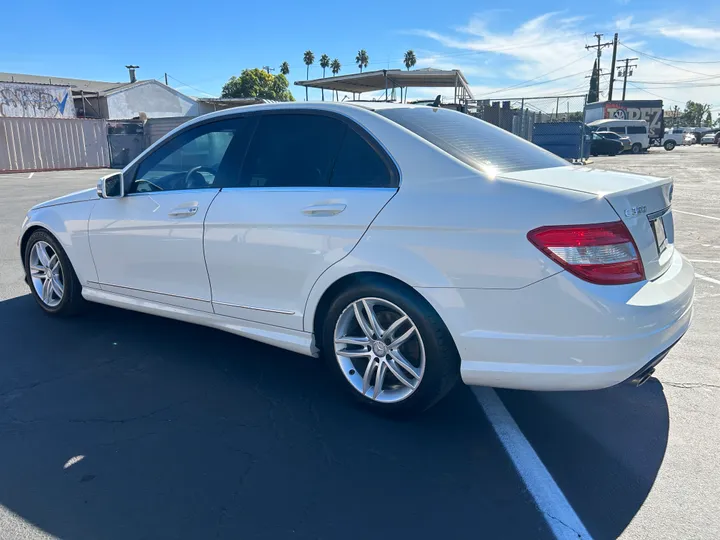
<point x="619" y="130"/>
<point x="292" y="150"/>
<point x="489" y="149"/>
<point x="192" y="160"/>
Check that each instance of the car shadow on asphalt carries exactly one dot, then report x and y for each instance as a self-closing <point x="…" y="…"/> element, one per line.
<point x="603" y="448"/>
<point x="123" y="425"/>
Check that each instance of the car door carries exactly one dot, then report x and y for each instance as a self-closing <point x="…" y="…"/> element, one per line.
<point x="149" y="243"/>
<point x="310" y="186"/>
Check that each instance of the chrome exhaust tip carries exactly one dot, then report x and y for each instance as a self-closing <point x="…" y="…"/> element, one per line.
<point x="643" y="377"/>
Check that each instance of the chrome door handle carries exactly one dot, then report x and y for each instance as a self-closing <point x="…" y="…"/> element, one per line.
<point x="180" y="212"/>
<point x="323" y="210"/>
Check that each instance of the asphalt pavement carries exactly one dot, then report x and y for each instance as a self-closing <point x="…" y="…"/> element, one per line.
<point x="119" y="425"/>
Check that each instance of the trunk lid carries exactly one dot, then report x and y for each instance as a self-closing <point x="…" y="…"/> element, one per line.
<point x="641" y="202"/>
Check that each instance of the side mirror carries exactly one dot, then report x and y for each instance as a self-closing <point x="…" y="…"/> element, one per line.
<point x="111" y="186"/>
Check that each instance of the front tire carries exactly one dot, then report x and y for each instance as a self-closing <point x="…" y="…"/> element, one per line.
<point x="669" y="145"/>
<point x="636" y="148"/>
<point x="52" y="279"/>
<point x="389" y="348"/>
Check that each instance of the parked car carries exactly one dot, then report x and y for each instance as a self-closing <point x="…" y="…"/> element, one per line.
<point x="636" y="130"/>
<point x="624" y="140"/>
<point x="689" y="139"/>
<point x="606" y="146"/>
<point x="673" y="137"/>
<point x="407" y="246"/>
<point x="710" y="138"/>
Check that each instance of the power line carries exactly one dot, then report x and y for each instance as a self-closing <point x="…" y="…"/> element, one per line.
<point x="523" y="83"/>
<point x="670" y="59"/>
<point x="665" y="63"/>
<point x="656" y="95"/>
<point x="189" y="86"/>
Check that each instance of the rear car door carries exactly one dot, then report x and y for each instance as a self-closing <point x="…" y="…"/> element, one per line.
<point x="310" y="186"/>
<point x="148" y="244"/>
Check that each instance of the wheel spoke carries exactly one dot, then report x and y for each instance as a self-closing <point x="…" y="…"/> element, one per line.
<point x="35" y="270"/>
<point x="362" y="322"/>
<point x="47" y="291"/>
<point x="394" y="326"/>
<point x="379" y="379"/>
<point x="42" y="255"/>
<point x="53" y="262"/>
<point x="373" y="320"/>
<point x="349" y="340"/>
<point x="354" y="354"/>
<point x="367" y="377"/>
<point x="402" y="339"/>
<point x="57" y="286"/>
<point x="403" y="370"/>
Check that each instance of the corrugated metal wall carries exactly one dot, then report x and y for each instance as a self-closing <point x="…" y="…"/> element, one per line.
<point x="156" y="128"/>
<point x="34" y="144"/>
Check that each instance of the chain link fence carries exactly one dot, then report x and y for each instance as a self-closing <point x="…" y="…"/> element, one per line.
<point x="518" y="115"/>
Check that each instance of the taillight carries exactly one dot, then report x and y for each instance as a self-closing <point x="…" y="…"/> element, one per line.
<point x="602" y="253"/>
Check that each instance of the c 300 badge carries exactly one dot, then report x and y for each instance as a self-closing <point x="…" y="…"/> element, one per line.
<point x="635" y="211"/>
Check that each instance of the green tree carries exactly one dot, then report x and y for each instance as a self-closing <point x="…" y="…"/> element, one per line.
<point x="309" y="59"/>
<point x="694" y="114"/>
<point x="409" y="61"/>
<point x="285" y="68"/>
<point x="324" y="64"/>
<point x="594" y="91"/>
<point x="335" y="67"/>
<point x="362" y="59"/>
<point x="708" y="119"/>
<point x="257" y="83"/>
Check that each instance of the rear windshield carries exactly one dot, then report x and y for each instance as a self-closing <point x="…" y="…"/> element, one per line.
<point x="483" y="146"/>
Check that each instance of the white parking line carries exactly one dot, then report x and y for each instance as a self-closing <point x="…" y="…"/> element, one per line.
<point x="31" y="175"/>
<point x="694" y="214"/>
<point x="559" y="515"/>
<point x="708" y="279"/>
<point x="703" y="261"/>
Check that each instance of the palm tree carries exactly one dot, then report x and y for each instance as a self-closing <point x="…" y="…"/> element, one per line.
<point x="324" y="63"/>
<point x="410" y="61"/>
<point x="285" y="68"/>
<point x="309" y="59"/>
<point x="335" y="68"/>
<point x="362" y="59"/>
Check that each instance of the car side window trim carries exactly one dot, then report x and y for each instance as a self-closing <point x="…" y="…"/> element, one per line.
<point x="393" y="169"/>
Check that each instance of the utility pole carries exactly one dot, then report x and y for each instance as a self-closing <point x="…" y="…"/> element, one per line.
<point x="268" y="69"/>
<point x="625" y="72"/>
<point x="166" y="84"/>
<point x="599" y="48"/>
<point x="612" y="67"/>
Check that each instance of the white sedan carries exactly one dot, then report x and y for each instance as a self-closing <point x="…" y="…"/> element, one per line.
<point x="408" y="246"/>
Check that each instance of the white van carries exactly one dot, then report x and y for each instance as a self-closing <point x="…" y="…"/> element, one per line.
<point x="636" y="130"/>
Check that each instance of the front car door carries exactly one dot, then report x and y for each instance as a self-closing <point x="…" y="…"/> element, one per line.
<point x="149" y="244"/>
<point x="310" y="186"/>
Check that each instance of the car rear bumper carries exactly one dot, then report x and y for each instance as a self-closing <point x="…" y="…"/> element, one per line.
<point x="563" y="333"/>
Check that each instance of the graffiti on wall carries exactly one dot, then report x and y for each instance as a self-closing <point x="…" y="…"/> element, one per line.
<point x="35" y="101"/>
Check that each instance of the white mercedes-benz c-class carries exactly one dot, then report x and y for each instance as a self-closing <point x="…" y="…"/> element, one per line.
<point x="408" y="246"/>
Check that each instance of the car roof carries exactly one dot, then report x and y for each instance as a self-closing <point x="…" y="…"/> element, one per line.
<point x="604" y="121"/>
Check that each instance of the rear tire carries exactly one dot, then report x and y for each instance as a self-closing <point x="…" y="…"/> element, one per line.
<point x="434" y="363"/>
<point x="52" y="279"/>
<point x="636" y="148"/>
<point x="669" y="145"/>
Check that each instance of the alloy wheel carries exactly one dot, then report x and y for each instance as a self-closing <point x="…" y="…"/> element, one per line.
<point x="46" y="273"/>
<point x="380" y="350"/>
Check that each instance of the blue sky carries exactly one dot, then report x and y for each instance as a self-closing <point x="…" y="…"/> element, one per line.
<point x="201" y="45"/>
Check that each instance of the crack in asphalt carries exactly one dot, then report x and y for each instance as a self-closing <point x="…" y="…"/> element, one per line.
<point x="561" y="522"/>
<point x="129" y="419"/>
<point x="690" y="384"/>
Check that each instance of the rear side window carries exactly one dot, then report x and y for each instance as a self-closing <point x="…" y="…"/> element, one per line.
<point x="483" y="146"/>
<point x="620" y="130"/>
<point x="359" y="165"/>
<point x="636" y="130"/>
<point x="292" y="150"/>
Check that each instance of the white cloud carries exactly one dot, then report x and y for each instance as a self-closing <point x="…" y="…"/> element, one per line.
<point x="624" y="23"/>
<point x="546" y="56"/>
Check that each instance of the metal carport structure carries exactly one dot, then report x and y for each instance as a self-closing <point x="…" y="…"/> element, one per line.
<point x="387" y="79"/>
